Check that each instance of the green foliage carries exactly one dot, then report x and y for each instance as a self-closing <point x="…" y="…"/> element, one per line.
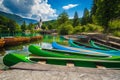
<point x="94" y="28"/>
<point x="115" y="27"/>
<point x="3" y="20"/>
<point x="3" y="29"/>
<point x="64" y="25"/>
<point x="86" y="17"/>
<point x="88" y="28"/>
<point x="23" y="26"/>
<point x="43" y="26"/>
<point x="8" y="26"/>
<point x="116" y="33"/>
<point x="50" y="26"/>
<point x="115" y="24"/>
<point x="76" y="20"/>
<point x="78" y="29"/>
<point x="18" y="28"/>
<point x="11" y="26"/>
<point x="65" y="29"/>
<point x="62" y="18"/>
<point x="31" y="27"/>
<point x="17" y="18"/>
<point x="104" y="11"/>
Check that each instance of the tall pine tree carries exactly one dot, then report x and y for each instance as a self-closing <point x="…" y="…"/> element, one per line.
<point x="76" y="20"/>
<point x="23" y="26"/>
<point x="86" y="17"/>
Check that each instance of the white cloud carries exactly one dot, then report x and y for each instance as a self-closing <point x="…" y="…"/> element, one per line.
<point x="44" y="10"/>
<point x="3" y="8"/>
<point x="29" y="8"/>
<point x="69" y="6"/>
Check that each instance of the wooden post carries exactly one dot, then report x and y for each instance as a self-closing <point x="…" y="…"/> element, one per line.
<point x="70" y="64"/>
<point x="42" y="62"/>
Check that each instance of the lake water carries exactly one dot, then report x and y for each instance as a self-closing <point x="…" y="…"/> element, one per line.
<point x="23" y="48"/>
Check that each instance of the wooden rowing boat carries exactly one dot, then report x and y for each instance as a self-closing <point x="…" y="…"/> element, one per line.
<point x="2" y="42"/>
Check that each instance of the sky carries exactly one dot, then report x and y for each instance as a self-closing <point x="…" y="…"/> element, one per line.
<point x="46" y="9"/>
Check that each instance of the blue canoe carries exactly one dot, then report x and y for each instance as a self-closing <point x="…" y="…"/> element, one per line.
<point x="71" y="49"/>
<point x="111" y="52"/>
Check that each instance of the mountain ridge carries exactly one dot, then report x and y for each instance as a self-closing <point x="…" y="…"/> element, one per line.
<point x="18" y="18"/>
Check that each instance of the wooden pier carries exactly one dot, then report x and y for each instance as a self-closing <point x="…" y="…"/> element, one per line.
<point x="25" y="71"/>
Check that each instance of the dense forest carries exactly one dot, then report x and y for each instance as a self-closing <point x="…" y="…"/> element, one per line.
<point x="104" y="17"/>
<point x="11" y="27"/>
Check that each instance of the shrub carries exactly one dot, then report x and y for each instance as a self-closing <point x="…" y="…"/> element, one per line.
<point x="114" y="25"/>
<point x="65" y="29"/>
<point x="77" y="29"/>
<point x="93" y="28"/>
<point x="116" y="33"/>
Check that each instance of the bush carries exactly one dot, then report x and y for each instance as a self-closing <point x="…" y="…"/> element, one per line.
<point x="65" y="29"/>
<point x="114" y="25"/>
<point x="77" y="29"/>
<point x="93" y="28"/>
<point x="116" y="33"/>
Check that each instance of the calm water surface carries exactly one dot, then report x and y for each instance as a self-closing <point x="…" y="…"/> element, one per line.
<point x="23" y="48"/>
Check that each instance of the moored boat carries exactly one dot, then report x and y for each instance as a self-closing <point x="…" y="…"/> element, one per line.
<point x="101" y="46"/>
<point x="105" y="61"/>
<point x="14" y="58"/>
<point x="35" y="38"/>
<point x="111" y="52"/>
<point x="2" y="42"/>
<point x="76" y="53"/>
<point x="89" y="45"/>
<point x="76" y="50"/>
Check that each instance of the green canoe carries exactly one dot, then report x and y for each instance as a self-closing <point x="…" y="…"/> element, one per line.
<point x="101" y="46"/>
<point x="81" y="60"/>
<point x="12" y="59"/>
<point x="110" y="52"/>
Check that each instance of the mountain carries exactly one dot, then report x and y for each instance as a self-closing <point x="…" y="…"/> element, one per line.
<point x="17" y="18"/>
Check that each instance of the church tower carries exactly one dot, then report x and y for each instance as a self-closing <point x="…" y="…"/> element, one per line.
<point x="40" y="23"/>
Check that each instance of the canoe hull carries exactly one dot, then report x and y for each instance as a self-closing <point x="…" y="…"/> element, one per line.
<point x="110" y="52"/>
<point x="83" y="61"/>
<point x="14" y="58"/>
<point x="77" y="62"/>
